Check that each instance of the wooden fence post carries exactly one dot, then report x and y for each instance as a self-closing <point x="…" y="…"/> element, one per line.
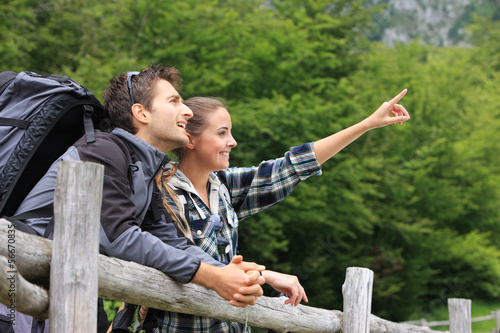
<point x="497" y="316"/>
<point x="460" y="315"/>
<point x="73" y="273"/>
<point x="357" y="291"/>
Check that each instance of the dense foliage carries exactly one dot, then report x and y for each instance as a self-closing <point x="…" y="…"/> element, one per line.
<point x="418" y="203"/>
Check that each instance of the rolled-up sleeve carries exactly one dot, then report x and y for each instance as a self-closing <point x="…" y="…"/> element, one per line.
<point x="256" y="188"/>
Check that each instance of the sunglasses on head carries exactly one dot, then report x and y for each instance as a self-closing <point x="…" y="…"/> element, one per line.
<point x="129" y="82"/>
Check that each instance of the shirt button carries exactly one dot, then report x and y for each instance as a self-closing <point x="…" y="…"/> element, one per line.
<point x="198" y="232"/>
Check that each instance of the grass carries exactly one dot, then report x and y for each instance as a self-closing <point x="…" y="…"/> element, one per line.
<point x="111" y="307"/>
<point x="478" y="309"/>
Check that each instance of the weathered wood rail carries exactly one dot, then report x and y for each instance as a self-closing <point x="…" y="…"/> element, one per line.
<point x="31" y="261"/>
<point x="494" y="315"/>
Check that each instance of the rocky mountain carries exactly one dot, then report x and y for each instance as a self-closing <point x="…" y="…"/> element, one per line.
<point x="436" y="22"/>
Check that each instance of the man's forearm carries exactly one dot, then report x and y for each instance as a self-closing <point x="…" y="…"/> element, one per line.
<point x="206" y="275"/>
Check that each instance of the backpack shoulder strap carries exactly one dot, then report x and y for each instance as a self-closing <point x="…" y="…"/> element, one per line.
<point x="181" y="195"/>
<point x="6" y="77"/>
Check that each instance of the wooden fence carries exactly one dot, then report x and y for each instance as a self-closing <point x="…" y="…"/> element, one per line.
<point x="78" y="275"/>
<point x="494" y="315"/>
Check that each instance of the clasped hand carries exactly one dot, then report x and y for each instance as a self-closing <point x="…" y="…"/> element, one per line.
<point x="240" y="282"/>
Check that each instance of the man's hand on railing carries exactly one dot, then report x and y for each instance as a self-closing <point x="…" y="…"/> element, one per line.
<point x="232" y="281"/>
<point x="287" y="284"/>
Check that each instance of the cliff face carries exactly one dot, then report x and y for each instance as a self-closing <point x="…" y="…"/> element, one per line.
<point x="436" y="22"/>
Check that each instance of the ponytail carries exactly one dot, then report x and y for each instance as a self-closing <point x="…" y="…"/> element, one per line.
<point x="167" y="192"/>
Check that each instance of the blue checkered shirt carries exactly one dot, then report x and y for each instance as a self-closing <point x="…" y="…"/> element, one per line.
<point x="215" y="230"/>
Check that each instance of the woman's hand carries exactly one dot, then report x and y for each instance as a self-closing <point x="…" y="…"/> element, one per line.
<point x="287" y="284"/>
<point x="388" y="113"/>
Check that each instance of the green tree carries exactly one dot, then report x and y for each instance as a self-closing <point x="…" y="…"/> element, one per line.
<point x="418" y="203"/>
<point x="437" y="184"/>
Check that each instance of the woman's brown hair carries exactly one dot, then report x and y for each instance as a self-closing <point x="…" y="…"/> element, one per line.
<point x="178" y="217"/>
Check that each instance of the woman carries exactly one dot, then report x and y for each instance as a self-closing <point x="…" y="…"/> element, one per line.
<point x="214" y="198"/>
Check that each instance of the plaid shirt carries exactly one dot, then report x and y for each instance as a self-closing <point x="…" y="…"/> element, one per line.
<point x="215" y="228"/>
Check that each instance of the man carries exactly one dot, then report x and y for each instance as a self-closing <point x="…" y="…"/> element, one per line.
<point x="149" y="106"/>
<point x="149" y="117"/>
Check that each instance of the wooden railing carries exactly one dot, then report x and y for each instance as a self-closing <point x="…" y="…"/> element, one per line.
<point x="78" y="275"/>
<point x="494" y="315"/>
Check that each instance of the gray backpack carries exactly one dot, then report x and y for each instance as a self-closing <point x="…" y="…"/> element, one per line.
<point x="40" y="117"/>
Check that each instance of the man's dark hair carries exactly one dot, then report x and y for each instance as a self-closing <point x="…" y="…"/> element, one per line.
<point x="117" y="102"/>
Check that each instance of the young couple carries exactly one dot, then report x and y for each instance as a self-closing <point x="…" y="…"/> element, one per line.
<point x="209" y="198"/>
<point x="150" y="119"/>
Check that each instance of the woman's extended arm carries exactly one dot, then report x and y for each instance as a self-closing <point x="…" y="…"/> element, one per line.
<point x="387" y="113"/>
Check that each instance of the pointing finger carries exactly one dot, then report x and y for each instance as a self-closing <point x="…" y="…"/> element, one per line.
<point x="398" y="97"/>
